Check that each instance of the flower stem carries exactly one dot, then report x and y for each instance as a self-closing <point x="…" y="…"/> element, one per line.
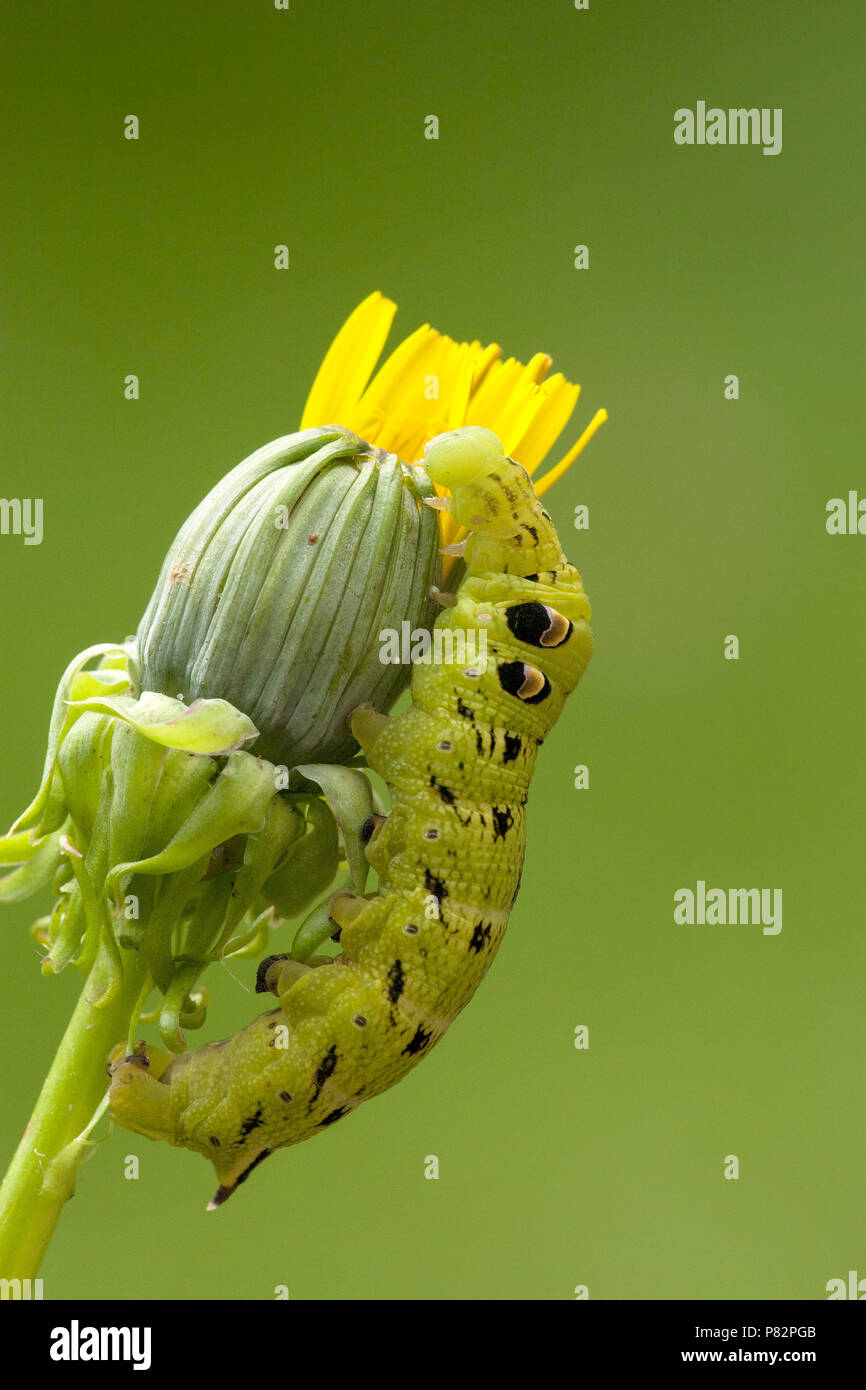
<point x="42" y="1174"/>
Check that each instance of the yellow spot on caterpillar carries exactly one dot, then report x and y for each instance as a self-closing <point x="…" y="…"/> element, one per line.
<point x="533" y="682"/>
<point x="559" y="629"/>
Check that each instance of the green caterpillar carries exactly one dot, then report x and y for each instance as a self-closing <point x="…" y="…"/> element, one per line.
<point x="449" y="855"/>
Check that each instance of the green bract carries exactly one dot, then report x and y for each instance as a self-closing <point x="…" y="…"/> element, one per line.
<point x="276" y="588"/>
<point x="159" y="833"/>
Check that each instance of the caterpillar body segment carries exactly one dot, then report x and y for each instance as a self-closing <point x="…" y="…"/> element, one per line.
<point x="449" y="855"/>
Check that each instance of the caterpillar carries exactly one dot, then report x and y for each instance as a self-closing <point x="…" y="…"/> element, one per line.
<point x="449" y="855"/>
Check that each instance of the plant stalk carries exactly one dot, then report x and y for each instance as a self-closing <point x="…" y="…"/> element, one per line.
<point x="41" y="1176"/>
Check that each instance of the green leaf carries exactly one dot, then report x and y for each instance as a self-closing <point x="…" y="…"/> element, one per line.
<point x="205" y="726"/>
<point x="235" y="804"/>
<point x="35" y="874"/>
<point x="62" y="719"/>
<point x="350" y="797"/>
<point x="309" y="866"/>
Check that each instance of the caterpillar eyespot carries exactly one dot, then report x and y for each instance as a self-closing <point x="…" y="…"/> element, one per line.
<point x="449" y="854"/>
<point x="538" y="625"/>
<point x="526" y="682"/>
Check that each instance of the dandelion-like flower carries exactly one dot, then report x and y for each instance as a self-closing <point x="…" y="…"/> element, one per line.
<point x="430" y="383"/>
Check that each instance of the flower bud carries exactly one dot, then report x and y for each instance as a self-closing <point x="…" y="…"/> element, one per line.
<point x="275" y="591"/>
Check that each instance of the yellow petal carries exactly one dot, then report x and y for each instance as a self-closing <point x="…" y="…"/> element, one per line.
<point x="538" y="366"/>
<point x="431" y="383"/>
<point x="544" y="484"/>
<point x="349" y="362"/>
<point x="401" y="376"/>
<point x="553" y="405"/>
<point x="527" y="416"/>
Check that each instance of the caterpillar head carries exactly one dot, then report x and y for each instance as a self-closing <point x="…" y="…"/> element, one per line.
<point x="489" y="491"/>
<point x="459" y="457"/>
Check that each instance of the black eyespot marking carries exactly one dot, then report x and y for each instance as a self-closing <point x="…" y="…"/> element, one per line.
<point x="528" y="622"/>
<point x="284" y="1096"/>
<point x="432" y="833"/>
<point x="503" y="819"/>
<point x="537" y="625"/>
<point x="214" y="1141"/>
<point x="526" y="682"/>
<point x="421" y="1039"/>
<point x="359" y="1021"/>
<point x="511" y="676"/>
<point x="464" y="711"/>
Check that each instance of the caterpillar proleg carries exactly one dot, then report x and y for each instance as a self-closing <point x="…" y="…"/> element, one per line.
<point x="449" y="855"/>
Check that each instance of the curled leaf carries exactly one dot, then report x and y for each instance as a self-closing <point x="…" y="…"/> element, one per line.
<point x="205" y="726"/>
<point x="350" y="796"/>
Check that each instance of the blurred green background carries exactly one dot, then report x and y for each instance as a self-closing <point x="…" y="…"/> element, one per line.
<point x="558" y="1167"/>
